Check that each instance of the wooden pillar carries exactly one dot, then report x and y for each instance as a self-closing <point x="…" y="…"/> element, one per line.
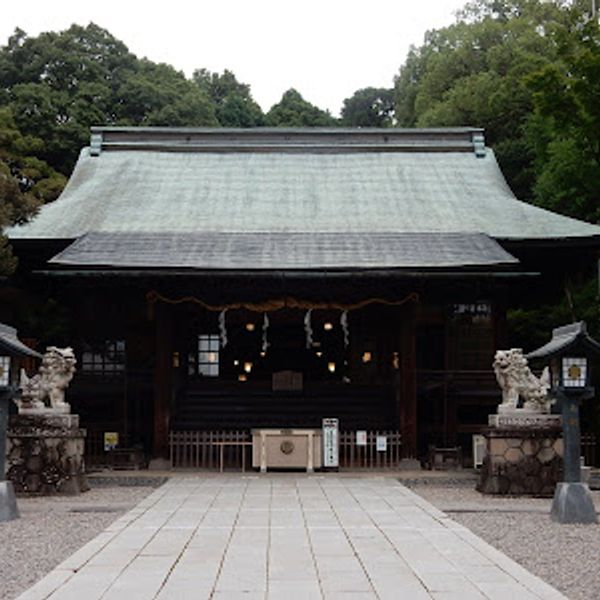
<point x="499" y="321"/>
<point x="163" y="384"/>
<point x="408" y="383"/>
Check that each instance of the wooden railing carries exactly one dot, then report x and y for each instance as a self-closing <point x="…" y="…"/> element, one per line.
<point x="353" y="456"/>
<point x="209" y="449"/>
<point x="216" y="450"/>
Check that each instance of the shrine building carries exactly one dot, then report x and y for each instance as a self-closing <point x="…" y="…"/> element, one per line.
<point x="212" y="281"/>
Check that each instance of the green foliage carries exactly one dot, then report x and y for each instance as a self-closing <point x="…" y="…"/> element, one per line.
<point x="294" y="111"/>
<point x="475" y="73"/>
<point x="369" y="107"/>
<point x="564" y="130"/>
<point x="233" y="101"/>
<point x="59" y="84"/>
<point x="530" y="327"/>
<point x="25" y="181"/>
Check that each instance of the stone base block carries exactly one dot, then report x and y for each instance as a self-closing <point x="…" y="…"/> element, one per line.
<point x="573" y="503"/>
<point x="522" y="462"/>
<point x="8" y="502"/>
<point x="409" y="464"/>
<point x="45" y="455"/>
<point x="159" y="464"/>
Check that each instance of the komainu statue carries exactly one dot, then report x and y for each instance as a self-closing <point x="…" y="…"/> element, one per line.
<point x="516" y="380"/>
<point x="45" y="391"/>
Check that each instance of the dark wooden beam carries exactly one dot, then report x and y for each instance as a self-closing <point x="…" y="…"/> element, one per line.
<point x="408" y="382"/>
<point x="163" y="377"/>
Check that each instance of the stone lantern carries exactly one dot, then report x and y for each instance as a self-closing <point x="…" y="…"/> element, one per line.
<point x="11" y="352"/>
<point x="569" y="352"/>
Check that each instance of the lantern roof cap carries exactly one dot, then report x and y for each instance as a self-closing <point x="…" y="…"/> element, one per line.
<point x="9" y="342"/>
<point x="567" y="338"/>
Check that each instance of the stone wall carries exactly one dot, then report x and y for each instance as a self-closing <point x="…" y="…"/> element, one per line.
<point x="520" y="461"/>
<point x="45" y="454"/>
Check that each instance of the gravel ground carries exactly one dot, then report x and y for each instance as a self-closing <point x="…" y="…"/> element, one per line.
<point x="52" y="528"/>
<point x="566" y="556"/>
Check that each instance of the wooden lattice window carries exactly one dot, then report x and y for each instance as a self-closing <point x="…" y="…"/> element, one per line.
<point x="205" y="360"/>
<point x="105" y="358"/>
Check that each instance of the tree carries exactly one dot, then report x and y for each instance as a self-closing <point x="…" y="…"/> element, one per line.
<point x="294" y="111"/>
<point x="59" y="84"/>
<point x="25" y="182"/>
<point x="474" y="73"/>
<point x="157" y="94"/>
<point x="369" y="107"/>
<point x="233" y="102"/>
<point x="564" y="130"/>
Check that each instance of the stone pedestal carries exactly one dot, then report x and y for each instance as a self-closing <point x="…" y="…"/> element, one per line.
<point x="573" y="503"/>
<point x="523" y="457"/>
<point x="8" y="502"/>
<point x="45" y="454"/>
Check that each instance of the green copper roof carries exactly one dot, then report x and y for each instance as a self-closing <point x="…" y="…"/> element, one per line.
<point x="175" y="181"/>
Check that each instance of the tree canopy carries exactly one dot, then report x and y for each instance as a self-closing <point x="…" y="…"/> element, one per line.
<point x="59" y="84"/>
<point x="26" y="182"/>
<point x="233" y="102"/>
<point x="475" y="73"/>
<point x="294" y="111"/>
<point x="369" y="107"/>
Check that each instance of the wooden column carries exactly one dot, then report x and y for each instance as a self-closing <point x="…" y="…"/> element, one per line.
<point x="163" y="383"/>
<point x="408" y="383"/>
<point x="499" y="322"/>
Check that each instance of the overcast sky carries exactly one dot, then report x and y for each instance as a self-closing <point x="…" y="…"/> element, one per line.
<point x="326" y="49"/>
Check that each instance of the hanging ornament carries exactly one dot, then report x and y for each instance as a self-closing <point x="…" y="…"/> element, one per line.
<point x="344" y="324"/>
<point x="308" y="329"/>
<point x="223" y="328"/>
<point x="265" y="327"/>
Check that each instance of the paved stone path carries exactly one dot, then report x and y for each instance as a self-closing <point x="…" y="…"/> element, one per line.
<point x="288" y="537"/>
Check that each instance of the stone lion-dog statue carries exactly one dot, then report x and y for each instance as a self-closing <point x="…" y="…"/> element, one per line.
<point x="516" y="380"/>
<point x="51" y="381"/>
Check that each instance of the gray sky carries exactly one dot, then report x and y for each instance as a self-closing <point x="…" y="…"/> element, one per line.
<point x="326" y="49"/>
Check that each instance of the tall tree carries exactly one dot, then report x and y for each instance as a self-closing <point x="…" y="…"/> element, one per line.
<point x="369" y="107"/>
<point x="25" y="181"/>
<point x="233" y="102"/>
<point x="59" y="84"/>
<point x="294" y="111"/>
<point x="474" y="73"/>
<point x="564" y="130"/>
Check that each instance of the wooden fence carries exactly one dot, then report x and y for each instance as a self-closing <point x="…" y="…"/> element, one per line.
<point x="204" y="449"/>
<point x="367" y="456"/>
<point x="232" y="450"/>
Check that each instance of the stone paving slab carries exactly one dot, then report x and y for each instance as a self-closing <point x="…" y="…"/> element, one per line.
<point x="287" y="537"/>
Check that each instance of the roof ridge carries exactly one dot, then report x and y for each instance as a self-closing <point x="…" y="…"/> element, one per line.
<point x="296" y="140"/>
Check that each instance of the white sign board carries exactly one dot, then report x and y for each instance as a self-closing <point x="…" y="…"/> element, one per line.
<point x="381" y="443"/>
<point x="361" y="438"/>
<point x="330" y="443"/>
